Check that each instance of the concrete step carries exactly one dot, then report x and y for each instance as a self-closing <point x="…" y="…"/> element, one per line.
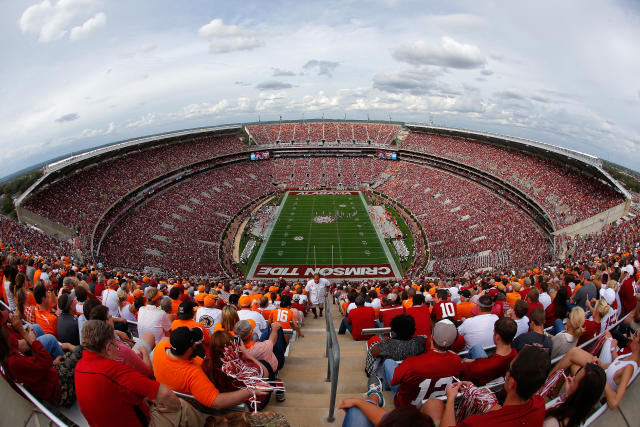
<point x="305" y="371"/>
<point x="317" y="362"/>
<point x="309" y="417"/>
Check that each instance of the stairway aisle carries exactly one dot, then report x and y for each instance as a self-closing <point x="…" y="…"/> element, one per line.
<point x="305" y="372"/>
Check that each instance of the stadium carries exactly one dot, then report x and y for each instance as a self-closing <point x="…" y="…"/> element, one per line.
<point x="392" y="212"/>
<point x="340" y="213"/>
<point x="188" y="193"/>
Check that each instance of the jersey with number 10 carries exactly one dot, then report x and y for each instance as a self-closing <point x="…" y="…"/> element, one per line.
<point x="425" y="376"/>
<point x="443" y="309"/>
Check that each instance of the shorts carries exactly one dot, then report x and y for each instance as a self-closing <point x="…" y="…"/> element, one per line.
<point x="319" y="305"/>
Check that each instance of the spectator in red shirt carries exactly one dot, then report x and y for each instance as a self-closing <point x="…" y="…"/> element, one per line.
<point x="627" y="292"/>
<point x="533" y="300"/>
<point x="359" y="318"/>
<point x="389" y="310"/>
<point x="426" y="375"/>
<point x="484" y="369"/>
<point x="443" y="307"/>
<point x="526" y="374"/>
<point x="420" y="314"/>
<point x="26" y="360"/>
<point x="558" y="309"/>
<point x="111" y="393"/>
<point x="524" y="292"/>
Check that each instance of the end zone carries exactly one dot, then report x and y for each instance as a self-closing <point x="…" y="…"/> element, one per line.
<point x="347" y="272"/>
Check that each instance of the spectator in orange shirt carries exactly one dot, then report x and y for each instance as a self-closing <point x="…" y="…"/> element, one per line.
<point x="284" y="316"/>
<point x="463" y="310"/>
<point x="44" y="317"/>
<point x="174" y="294"/>
<point x="514" y="296"/>
<point x="175" y="366"/>
<point x="409" y="301"/>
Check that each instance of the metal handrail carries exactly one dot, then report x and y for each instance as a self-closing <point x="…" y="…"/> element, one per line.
<point x="333" y="359"/>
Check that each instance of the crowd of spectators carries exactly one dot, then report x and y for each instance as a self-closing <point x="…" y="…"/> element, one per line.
<point x="329" y="131"/>
<point x="69" y="338"/>
<point x="31" y="241"/>
<point x="70" y="326"/>
<point x="567" y="196"/>
<point x="179" y="230"/>
<point x="467" y="226"/>
<point x="78" y="200"/>
<point x="451" y="336"/>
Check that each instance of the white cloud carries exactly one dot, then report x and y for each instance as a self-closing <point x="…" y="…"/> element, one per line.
<point x="89" y="26"/>
<point x="217" y="28"/>
<point x="450" y="54"/>
<point x="51" y="20"/>
<point x="219" y="33"/>
<point x="89" y="133"/>
<point x="146" y="120"/>
<point x="238" y="43"/>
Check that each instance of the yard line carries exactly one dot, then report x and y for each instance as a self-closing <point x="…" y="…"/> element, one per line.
<point x="306" y="259"/>
<point x="337" y="229"/>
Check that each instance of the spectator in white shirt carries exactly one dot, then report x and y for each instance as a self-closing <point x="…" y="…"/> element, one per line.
<point x="375" y="301"/>
<point x="245" y="313"/>
<point x="208" y="315"/>
<point x="544" y="296"/>
<point x="519" y="314"/>
<point x="317" y="290"/>
<point x="110" y="298"/>
<point x="151" y="318"/>
<point x="479" y="329"/>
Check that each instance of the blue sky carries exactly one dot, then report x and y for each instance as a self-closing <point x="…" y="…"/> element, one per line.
<point x="81" y="73"/>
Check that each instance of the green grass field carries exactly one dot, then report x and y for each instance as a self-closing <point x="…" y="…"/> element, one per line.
<point x="348" y="230"/>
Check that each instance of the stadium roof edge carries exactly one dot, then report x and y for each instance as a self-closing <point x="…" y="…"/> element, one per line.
<point x="583" y="157"/>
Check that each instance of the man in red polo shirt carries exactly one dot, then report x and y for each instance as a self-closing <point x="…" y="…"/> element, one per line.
<point x="527" y="373"/>
<point x="484" y="369"/>
<point x="359" y="318"/>
<point x="111" y="393"/>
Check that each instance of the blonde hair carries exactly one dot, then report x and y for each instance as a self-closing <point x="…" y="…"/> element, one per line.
<point x="576" y="320"/>
<point x="612" y="284"/>
<point x="602" y="307"/>
<point x="229" y="317"/>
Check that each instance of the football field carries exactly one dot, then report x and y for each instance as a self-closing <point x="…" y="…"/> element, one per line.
<point x="329" y="232"/>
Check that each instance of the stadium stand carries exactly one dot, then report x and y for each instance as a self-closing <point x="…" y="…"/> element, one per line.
<point x="567" y="196"/>
<point x="100" y="186"/>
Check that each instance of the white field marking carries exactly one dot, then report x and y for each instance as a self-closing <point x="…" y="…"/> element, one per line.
<point x="306" y="258"/>
<point x="337" y="233"/>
